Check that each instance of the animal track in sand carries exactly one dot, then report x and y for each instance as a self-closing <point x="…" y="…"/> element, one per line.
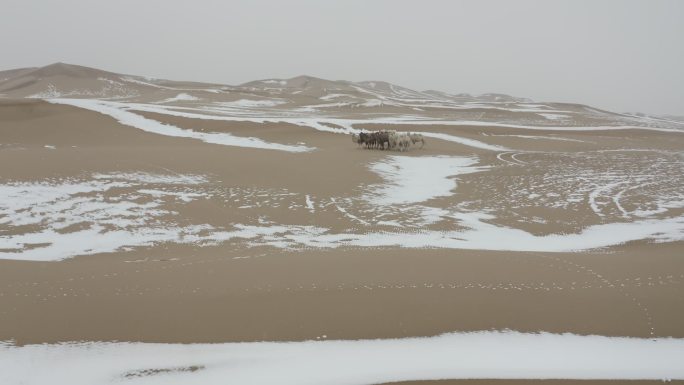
<point x="620" y="287"/>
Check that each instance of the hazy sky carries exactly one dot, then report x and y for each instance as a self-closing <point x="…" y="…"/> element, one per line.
<point x="622" y="55"/>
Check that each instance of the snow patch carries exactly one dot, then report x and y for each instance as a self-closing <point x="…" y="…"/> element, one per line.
<point x="50" y="92"/>
<point x="554" y="116"/>
<point x="371" y="103"/>
<point x="417" y="179"/>
<point x="334" y="96"/>
<point x="180" y="97"/>
<point x="111" y="212"/>
<point x="119" y="112"/>
<point x="477" y="234"/>
<point x="248" y="103"/>
<point x="317" y="123"/>
<point x="477" y="355"/>
<point x="310" y="204"/>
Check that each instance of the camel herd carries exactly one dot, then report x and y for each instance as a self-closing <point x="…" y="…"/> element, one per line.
<point x="388" y="140"/>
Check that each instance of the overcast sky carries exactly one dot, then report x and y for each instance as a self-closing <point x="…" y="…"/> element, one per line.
<point x="621" y="55"/>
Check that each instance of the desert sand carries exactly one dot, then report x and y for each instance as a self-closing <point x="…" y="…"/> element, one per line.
<point x="144" y="210"/>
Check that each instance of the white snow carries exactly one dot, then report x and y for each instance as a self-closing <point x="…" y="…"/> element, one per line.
<point x="309" y="203"/>
<point x="417" y="179"/>
<point x="119" y="112"/>
<point x="597" y="192"/>
<point x="138" y="81"/>
<point x="180" y="97"/>
<point x="145" y="177"/>
<point x="248" y="103"/>
<point x="554" y="116"/>
<point x="314" y="107"/>
<point x="50" y="92"/>
<point x="274" y="81"/>
<point x="371" y="103"/>
<point x="109" y="89"/>
<point x="113" y="212"/>
<point x="79" y="217"/>
<point x="317" y="123"/>
<point x="335" y="96"/>
<point x="477" y="234"/>
<point x="481" y="123"/>
<point x="477" y="355"/>
<point x="547" y="137"/>
<point x="465" y="141"/>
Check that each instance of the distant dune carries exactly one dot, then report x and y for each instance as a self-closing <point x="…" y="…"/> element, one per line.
<point x="307" y="96"/>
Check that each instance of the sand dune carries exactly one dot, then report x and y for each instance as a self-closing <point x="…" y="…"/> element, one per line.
<point x="314" y="97"/>
<point x="145" y="211"/>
